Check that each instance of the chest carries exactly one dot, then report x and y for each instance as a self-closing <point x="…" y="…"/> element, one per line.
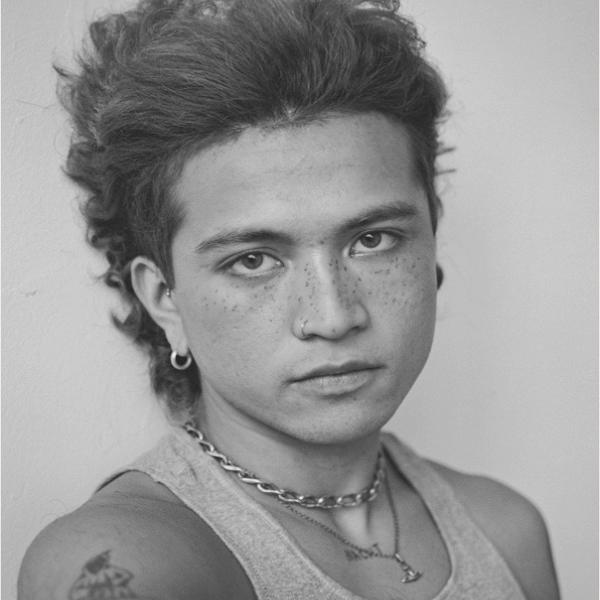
<point x="370" y="570"/>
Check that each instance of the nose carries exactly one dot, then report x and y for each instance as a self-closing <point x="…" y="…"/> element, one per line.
<point x="330" y="303"/>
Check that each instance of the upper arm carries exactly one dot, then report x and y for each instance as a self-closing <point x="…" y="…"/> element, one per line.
<point x="67" y="569"/>
<point x="103" y="552"/>
<point x="519" y="532"/>
<point x="515" y="527"/>
<point x="72" y="560"/>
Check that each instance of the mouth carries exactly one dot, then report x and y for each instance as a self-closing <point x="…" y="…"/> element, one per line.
<point x="335" y="380"/>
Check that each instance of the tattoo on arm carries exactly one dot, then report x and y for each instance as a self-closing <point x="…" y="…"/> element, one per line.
<point x="101" y="580"/>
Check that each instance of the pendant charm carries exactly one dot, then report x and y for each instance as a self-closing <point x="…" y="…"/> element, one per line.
<point x="410" y="575"/>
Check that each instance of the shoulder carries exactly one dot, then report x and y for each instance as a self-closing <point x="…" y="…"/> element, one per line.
<point x="513" y="524"/>
<point x="132" y="540"/>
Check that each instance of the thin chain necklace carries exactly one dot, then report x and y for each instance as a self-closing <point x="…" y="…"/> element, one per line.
<point x="354" y="552"/>
<point x="289" y="497"/>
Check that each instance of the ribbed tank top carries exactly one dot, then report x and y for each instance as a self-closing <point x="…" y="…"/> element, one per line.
<point x="276" y="565"/>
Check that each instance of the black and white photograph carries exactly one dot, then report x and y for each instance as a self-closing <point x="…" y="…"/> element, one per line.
<point x="300" y="300"/>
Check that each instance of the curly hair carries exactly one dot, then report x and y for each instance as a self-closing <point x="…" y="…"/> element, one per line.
<point x="158" y="83"/>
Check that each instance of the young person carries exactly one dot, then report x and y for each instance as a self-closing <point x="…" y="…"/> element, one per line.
<point x="261" y="179"/>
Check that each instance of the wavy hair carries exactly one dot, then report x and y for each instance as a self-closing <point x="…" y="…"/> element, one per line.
<point x="156" y="84"/>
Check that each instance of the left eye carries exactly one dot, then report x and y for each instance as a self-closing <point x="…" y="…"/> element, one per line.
<point x="253" y="263"/>
<point x="373" y="241"/>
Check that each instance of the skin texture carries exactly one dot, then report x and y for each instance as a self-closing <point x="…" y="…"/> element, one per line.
<point x="325" y="226"/>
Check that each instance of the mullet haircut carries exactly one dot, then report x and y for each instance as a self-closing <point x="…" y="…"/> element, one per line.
<point x="156" y="84"/>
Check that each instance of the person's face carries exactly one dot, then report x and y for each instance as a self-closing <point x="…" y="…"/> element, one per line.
<point x="324" y="224"/>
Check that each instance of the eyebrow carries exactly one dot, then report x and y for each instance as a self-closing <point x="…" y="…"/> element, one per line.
<point x="386" y="212"/>
<point x="241" y="236"/>
<point x="371" y="216"/>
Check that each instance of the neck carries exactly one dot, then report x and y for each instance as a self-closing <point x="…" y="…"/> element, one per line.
<point x="290" y="462"/>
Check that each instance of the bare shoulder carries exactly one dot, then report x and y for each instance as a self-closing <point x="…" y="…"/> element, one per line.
<point x="133" y="540"/>
<point x="513" y="524"/>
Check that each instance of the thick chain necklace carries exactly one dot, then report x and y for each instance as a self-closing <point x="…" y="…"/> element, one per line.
<point x="354" y="552"/>
<point x="289" y="497"/>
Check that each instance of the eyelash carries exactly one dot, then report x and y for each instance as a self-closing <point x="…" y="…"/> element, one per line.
<point x="394" y="240"/>
<point x="229" y="266"/>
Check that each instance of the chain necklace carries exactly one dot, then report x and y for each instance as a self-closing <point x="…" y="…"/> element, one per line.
<point x="354" y="552"/>
<point x="289" y="497"/>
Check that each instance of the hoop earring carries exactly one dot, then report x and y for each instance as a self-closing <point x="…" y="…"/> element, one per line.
<point x="176" y="360"/>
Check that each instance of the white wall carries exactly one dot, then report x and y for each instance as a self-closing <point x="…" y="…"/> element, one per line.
<point x="510" y="389"/>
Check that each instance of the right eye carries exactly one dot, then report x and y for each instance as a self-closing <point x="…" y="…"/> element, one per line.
<point x="253" y="264"/>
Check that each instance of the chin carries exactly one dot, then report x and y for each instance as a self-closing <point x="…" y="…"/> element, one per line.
<point x="343" y="425"/>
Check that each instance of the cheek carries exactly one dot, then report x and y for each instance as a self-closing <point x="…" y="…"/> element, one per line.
<point x="403" y="315"/>
<point x="408" y="281"/>
<point x="402" y="299"/>
<point x="222" y="322"/>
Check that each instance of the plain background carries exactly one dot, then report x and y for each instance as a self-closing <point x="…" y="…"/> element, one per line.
<point x="510" y="389"/>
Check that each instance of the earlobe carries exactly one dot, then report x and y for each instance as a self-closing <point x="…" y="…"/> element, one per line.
<point x="152" y="291"/>
<point x="439" y="274"/>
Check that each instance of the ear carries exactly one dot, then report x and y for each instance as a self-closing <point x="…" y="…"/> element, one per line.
<point x="151" y="289"/>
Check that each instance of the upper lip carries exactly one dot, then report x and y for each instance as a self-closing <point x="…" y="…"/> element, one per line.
<point x="337" y="369"/>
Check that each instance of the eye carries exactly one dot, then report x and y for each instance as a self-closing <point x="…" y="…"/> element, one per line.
<point x="253" y="264"/>
<point x="372" y="242"/>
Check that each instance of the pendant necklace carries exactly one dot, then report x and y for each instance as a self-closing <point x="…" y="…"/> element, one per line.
<point x="355" y="552"/>
<point x="292" y="499"/>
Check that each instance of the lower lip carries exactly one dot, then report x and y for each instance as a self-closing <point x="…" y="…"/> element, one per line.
<point x="336" y="385"/>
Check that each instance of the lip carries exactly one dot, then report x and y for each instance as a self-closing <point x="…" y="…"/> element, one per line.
<point x="331" y="370"/>
<point x="336" y="379"/>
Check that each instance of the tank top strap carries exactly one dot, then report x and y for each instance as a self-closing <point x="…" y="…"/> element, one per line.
<point x="477" y="568"/>
<point x="276" y="566"/>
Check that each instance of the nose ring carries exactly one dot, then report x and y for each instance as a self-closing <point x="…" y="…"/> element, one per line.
<point x="303" y="323"/>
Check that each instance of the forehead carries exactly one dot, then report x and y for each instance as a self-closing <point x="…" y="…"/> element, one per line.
<point x="336" y="166"/>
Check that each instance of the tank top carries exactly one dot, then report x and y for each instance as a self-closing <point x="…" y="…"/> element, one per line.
<point x="276" y="565"/>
